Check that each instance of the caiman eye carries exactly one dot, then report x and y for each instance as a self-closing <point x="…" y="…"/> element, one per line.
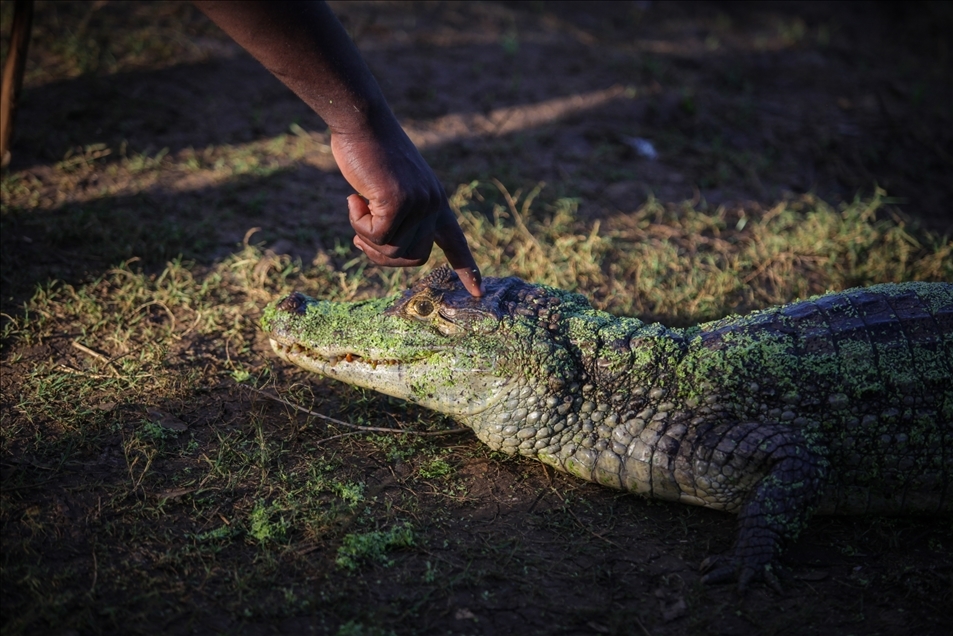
<point x="423" y="308"/>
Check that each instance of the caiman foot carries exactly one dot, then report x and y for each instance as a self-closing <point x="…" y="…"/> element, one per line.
<point x="775" y="510"/>
<point x="745" y="570"/>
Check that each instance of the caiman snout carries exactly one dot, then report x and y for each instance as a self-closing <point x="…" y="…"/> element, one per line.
<point x="295" y="303"/>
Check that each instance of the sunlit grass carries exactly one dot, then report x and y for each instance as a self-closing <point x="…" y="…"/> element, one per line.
<point x="680" y="262"/>
<point x="688" y="264"/>
<point x="120" y="172"/>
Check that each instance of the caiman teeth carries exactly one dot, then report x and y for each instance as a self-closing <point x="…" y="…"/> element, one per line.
<point x="301" y="350"/>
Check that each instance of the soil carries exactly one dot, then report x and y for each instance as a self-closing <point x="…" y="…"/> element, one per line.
<point x="744" y="104"/>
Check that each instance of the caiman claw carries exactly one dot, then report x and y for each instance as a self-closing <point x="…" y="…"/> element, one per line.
<point x="726" y="569"/>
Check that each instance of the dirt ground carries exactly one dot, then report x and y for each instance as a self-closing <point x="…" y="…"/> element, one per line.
<point x="130" y="137"/>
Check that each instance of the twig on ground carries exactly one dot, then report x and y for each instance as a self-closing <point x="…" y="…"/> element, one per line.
<point x="95" y="354"/>
<point x="356" y="427"/>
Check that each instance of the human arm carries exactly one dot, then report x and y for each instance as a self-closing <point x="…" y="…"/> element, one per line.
<point x="400" y="208"/>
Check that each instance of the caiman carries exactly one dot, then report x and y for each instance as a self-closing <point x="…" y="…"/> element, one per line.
<point x="840" y="404"/>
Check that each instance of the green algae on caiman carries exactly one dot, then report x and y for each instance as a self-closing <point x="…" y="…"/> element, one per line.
<point x="841" y="404"/>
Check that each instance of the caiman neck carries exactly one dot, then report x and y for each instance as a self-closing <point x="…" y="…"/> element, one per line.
<point x="596" y="373"/>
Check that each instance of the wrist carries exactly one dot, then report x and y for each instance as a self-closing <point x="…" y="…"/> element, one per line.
<point x="364" y="117"/>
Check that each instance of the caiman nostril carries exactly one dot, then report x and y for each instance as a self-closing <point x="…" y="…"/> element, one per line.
<point x="295" y="303"/>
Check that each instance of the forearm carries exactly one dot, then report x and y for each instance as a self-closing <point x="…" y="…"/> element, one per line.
<point x="304" y="45"/>
<point x="400" y="208"/>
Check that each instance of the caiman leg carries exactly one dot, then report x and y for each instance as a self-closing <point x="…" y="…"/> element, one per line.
<point x="778" y="505"/>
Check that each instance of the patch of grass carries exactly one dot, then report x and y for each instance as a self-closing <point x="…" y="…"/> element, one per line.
<point x="437" y="468"/>
<point x="148" y="206"/>
<point x="157" y="433"/>
<point x="396" y="447"/>
<point x="266" y="523"/>
<point x="142" y="162"/>
<point x="513" y="238"/>
<point x="686" y="263"/>
<point x="373" y="546"/>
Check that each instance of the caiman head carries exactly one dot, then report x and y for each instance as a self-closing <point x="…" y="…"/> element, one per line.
<point x="505" y="357"/>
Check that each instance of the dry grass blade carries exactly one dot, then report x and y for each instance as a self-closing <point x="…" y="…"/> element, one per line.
<point x="518" y="215"/>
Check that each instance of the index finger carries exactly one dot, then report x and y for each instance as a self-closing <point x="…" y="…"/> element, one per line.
<point x="452" y="241"/>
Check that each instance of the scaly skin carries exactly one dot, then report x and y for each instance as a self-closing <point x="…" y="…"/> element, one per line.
<point x="841" y="404"/>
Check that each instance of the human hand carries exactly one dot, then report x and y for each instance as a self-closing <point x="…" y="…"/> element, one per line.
<point x="401" y="208"/>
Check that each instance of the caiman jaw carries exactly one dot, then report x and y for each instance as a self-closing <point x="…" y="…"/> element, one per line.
<point x="385" y="376"/>
<point x="303" y="356"/>
<point x="405" y="379"/>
